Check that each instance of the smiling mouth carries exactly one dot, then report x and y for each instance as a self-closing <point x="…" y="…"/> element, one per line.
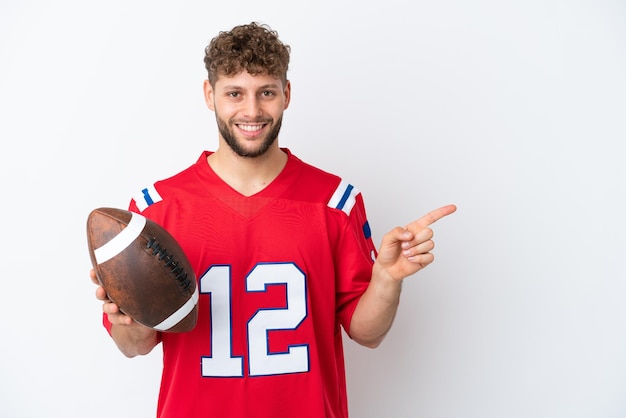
<point x="251" y="128"/>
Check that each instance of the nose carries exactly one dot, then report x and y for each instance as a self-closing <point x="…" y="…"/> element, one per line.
<point x="252" y="107"/>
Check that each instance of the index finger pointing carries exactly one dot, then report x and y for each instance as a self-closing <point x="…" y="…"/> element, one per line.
<point x="432" y="217"/>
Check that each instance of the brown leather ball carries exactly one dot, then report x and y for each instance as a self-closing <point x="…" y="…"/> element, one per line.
<point x="143" y="269"/>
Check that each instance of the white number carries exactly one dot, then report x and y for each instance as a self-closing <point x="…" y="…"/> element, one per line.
<point x="222" y="363"/>
<point x="216" y="281"/>
<point x="296" y="359"/>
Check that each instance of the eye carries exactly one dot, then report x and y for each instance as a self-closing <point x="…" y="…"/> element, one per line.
<point x="234" y="94"/>
<point x="268" y="93"/>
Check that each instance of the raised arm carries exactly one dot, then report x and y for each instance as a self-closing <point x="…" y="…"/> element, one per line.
<point x="403" y="252"/>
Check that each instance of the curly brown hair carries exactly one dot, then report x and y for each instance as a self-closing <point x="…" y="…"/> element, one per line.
<point x="254" y="48"/>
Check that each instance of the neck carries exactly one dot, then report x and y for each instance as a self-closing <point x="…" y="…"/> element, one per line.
<point x="247" y="175"/>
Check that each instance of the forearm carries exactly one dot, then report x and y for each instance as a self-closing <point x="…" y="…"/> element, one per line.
<point x="135" y="339"/>
<point x="376" y="309"/>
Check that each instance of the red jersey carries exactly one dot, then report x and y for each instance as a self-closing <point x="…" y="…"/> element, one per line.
<point x="279" y="274"/>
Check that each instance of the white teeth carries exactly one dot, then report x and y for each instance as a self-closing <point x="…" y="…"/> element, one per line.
<point x="250" y="128"/>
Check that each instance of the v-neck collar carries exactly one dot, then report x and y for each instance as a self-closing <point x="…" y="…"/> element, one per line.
<point x="247" y="205"/>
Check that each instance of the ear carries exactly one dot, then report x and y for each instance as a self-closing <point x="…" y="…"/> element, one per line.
<point x="287" y="93"/>
<point x="208" y="95"/>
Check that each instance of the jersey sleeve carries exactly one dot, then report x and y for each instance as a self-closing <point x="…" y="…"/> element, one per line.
<point x="354" y="257"/>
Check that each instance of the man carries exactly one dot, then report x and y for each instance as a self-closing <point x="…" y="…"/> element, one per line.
<point x="282" y="252"/>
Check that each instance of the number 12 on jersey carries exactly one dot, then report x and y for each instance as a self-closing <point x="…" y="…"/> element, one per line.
<point x="261" y="362"/>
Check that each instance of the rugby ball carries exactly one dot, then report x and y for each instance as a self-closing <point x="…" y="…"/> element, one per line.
<point x="143" y="269"/>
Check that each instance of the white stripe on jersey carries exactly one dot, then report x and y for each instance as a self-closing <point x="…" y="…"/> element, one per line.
<point x="180" y="313"/>
<point x="147" y="197"/>
<point x="344" y="197"/>
<point x="121" y="240"/>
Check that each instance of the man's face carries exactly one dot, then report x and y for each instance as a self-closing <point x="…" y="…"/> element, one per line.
<point x="249" y="111"/>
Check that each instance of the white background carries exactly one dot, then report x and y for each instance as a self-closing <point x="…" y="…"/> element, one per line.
<point x="513" y="110"/>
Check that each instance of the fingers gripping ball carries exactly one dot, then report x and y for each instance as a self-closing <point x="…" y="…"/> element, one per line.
<point x="143" y="269"/>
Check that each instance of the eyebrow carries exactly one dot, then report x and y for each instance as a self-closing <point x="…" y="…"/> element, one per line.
<point x="263" y="87"/>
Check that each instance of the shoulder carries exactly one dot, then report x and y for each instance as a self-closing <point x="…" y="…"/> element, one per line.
<point x="177" y="186"/>
<point x="316" y="184"/>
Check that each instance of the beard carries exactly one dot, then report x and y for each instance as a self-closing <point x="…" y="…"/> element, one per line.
<point x="238" y="147"/>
